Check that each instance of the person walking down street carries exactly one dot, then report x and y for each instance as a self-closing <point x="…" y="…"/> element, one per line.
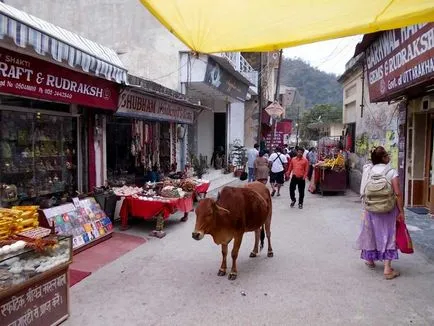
<point x="378" y="232"/>
<point x="312" y="159"/>
<point x="252" y="154"/>
<point x="262" y="170"/>
<point x="299" y="168"/>
<point x="277" y="163"/>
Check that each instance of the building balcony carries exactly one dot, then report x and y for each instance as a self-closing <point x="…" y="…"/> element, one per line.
<point x="242" y="65"/>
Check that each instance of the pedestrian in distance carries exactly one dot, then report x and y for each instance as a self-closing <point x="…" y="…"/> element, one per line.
<point x="312" y="159"/>
<point x="252" y="154"/>
<point x="278" y="164"/>
<point x="262" y="170"/>
<point x="383" y="207"/>
<point x="299" y="167"/>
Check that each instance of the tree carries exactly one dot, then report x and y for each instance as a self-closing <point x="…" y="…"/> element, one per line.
<point x="322" y="113"/>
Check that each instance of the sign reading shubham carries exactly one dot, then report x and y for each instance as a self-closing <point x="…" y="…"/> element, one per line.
<point x="399" y="59"/>
<point x="137" y="105"/>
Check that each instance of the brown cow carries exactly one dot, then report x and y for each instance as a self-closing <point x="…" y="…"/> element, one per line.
<point x="236" y="211"/>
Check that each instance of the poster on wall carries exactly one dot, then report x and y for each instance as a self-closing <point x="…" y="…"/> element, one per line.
<point x="85" y="221"/>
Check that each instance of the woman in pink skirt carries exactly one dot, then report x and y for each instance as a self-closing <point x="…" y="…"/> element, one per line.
<point x="377" y="239"/>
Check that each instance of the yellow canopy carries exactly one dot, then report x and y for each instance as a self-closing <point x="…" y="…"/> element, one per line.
<point x="209" y="26"/>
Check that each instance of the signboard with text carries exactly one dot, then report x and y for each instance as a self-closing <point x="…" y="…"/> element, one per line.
<point x="140" y="106"/>
<point x="44" y="303"/>
<point x="279" y="134"/>
<point x="399" y="59"/>
<point x="30" y="77"/>
<point x="226" y="83"/>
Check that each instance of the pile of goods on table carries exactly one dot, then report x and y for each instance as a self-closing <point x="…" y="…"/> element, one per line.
<point x="126" y="191"/>
<point x="167" y="189"/>
<point x="20" y="234"/>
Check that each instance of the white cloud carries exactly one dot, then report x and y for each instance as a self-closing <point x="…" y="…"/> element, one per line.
<point x="329" y="56"/>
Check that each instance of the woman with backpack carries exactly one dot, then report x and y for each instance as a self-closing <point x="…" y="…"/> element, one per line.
<point x="382" y="198"/>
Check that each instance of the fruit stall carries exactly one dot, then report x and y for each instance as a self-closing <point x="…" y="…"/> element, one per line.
<point x="330" y="175"/>
<point x="34" y="262"/>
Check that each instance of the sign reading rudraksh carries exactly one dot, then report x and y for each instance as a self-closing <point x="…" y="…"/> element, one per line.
<point x="26" y="76"/>
<point x="399" y="59"/>
<point x="45" y="303"/>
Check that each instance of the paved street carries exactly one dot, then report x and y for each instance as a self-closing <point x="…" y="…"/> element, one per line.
<point x="315" y="278"/>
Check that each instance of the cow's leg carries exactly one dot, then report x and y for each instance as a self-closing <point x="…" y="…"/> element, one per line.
<point x="255" y="250"/>
<point x="234" y="254"/>
<point x="223" y="267"/>
<point x="268" y="232"/>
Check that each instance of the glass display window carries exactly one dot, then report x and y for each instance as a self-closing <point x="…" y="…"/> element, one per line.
<point x="38" y="154"/>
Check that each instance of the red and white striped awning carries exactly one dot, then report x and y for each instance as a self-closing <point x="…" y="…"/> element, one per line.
<point x="62" y="45"/>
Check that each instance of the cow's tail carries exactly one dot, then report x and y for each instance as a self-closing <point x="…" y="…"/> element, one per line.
<point x="262" y="236"/>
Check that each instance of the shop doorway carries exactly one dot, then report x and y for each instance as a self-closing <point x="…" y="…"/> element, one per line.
<point x="220" y="131"/>
<point x="429" y="162"/>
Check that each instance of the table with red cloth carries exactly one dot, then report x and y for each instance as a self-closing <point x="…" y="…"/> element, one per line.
<point x="201" y="190"/>
<point x="148" y="209"/>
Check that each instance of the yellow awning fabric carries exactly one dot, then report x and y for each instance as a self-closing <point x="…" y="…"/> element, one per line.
<point x="209" y="26"/>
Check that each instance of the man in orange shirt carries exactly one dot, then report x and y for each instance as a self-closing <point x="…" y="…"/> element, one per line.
<point x="299" y="167"/>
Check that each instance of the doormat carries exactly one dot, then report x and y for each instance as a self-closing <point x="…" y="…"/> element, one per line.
<point x="419" y="210"/>
<point x="76" y="276"/>
<point x="93" y="258"/>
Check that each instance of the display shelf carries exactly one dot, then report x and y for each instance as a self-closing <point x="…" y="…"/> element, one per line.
<point x="17" y="268"/>
<point x="86" y="222"/>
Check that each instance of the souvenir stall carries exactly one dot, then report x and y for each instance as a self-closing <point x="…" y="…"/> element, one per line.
<point x="159" y="200"/>
<point x="330" y="175"/>
<point x="142" y="163"/>
<point x="34" y="262"/>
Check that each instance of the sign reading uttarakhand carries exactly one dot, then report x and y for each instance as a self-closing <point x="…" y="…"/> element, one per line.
<point x="140" y="106"/>
<point x="399" y="59"/>
<point x="26" y="76"/>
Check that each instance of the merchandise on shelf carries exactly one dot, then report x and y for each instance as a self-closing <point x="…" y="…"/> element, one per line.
<point x="17" y="219"/>
<point x="86" y="222"/>
<point x="37" y="155"/>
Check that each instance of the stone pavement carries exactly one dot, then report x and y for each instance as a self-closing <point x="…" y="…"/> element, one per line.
<point x="421" y="228"/>
<point x="315" y="278"/>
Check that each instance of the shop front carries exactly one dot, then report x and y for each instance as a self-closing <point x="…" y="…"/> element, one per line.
<point x="54" y="86"/>
<point x="213" y="81"/>
<point x="146" y="137"/>
<point x="49" y="91"/>
<point x="400" y="68"/>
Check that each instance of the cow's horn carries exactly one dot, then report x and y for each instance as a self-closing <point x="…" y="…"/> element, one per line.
<point x="221" y="208"/>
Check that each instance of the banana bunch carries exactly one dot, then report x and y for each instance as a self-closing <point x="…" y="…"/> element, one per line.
<point x="17" y="219"/>
<point x="338" y="162"/>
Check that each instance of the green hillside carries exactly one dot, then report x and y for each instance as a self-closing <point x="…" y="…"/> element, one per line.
<point x="316" y="86"/>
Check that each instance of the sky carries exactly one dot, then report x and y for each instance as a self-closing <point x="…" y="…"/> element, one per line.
<point x="329" y="56"/>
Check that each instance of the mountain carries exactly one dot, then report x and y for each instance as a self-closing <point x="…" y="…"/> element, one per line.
<point x="316" y="86"/>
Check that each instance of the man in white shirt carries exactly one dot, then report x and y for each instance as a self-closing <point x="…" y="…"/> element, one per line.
<point x="252" y="154"/>
<point x="278" y="164"/>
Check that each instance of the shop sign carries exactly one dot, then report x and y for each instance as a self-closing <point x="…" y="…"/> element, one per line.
<point x="30" y="77"/>
<point x="137" y="105"/>
<point x="279" y="134"/>
<point x="226" y="83"/>
<point x="43" y="303"/>
<point x="399" y="59"/>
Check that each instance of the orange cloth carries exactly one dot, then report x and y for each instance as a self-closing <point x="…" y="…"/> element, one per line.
<point x="299" y="167"/>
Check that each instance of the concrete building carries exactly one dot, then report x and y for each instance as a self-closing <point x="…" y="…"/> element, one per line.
<point x="151" y="52"/>
<point x="366" y="124"/>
